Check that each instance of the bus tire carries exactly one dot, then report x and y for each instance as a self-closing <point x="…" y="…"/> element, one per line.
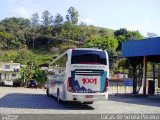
<point x="58" y="97"/>
<point x="47" y="92"/>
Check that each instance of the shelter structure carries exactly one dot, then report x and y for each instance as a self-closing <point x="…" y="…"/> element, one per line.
<point x="143" y="51"/>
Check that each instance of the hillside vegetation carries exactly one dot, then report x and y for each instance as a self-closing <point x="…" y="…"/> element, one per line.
<point x="39" y="38"/>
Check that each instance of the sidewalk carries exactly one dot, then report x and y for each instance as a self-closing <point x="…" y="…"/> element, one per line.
<point x="130" y="95"/>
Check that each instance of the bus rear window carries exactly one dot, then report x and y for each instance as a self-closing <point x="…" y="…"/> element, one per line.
<point x="88" y="57"/>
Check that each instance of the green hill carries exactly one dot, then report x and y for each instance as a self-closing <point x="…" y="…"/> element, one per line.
<point x="23" y="40"/>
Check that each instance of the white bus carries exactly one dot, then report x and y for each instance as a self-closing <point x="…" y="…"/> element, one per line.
<point x="79" y="74"/>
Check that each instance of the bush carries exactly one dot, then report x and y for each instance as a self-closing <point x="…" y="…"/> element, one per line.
<point x="17" y="82"/>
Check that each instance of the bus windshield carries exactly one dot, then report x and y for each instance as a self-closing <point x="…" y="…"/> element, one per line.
<point x="88" y="57"/>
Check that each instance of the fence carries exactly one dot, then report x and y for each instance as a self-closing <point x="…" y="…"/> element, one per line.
<point x="118" y="86"/>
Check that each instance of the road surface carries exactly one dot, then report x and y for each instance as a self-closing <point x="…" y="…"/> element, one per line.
<point x="35" y="101"/>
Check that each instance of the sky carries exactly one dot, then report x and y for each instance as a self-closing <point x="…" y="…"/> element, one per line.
<point x="141" y="15"/>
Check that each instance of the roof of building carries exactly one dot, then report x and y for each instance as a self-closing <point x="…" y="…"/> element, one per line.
<point x="145" y="47"/>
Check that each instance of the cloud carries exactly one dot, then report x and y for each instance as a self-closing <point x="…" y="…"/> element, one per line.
<point x="11" y="1"/>
<point x="20" y="1"/>
<point x="23" y="12"/>
<point x="144" y="27"/>
<point x="87" y="20"/>
<point x="26" y="2"/>
<point x="22" y="8"/>
<point x="141" y="25"/>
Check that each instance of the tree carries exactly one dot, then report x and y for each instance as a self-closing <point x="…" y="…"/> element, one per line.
<point x="150" y="35"/>
<point x="34" y="26"/>
<point x="129" y="35"/>
<point x="23" y="34"/>
<point x="47" y="21"/>
<point x="83" y="24"/>
<point x="82" y="34"/>
<point x="67" y="30"/>
<point x="40" y="76"/>
<point x="23" y="74"/>
<point x="58" y="19"/>
<point x="24" y="56"/>
<point x="133" y="35"/>
<point x="5" y="39"/>
<point x="27" y="72"/>
<point x="18" y="28"/>
<point x="103" y="32"/>
<point x="70" y="31"/>
<point x="108" y="43"/>
<point x="121" y="31"/>
<point x="72" y="16"/>
<point x="124" y="35"/>
<point x="2" y="28"/>
<point x="35" y="22"/>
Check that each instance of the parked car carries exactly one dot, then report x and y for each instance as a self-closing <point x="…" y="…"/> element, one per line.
<point x="8" y="83"/>
<point x="32" y="83"/>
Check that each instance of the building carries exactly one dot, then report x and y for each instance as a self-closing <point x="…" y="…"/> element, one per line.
<point x="9" y="71"/>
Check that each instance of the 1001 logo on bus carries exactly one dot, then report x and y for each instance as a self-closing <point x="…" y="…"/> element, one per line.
<point x="89" y="80"/>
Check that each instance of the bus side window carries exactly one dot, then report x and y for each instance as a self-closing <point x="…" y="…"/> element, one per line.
<point x="63" y="61"/>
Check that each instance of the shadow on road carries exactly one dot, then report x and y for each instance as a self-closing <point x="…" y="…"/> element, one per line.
<point x="140" y="100"/>
<point x="38" y="101"/>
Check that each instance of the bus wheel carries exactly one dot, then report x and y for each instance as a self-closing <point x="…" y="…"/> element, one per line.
<point x="58" y="97"/>
<point x="47" y="92"/>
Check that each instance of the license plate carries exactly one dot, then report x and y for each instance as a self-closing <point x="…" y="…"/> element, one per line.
<point x="89" y="96"/>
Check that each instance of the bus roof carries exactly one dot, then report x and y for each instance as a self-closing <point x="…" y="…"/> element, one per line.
<point x="88" y="49"/>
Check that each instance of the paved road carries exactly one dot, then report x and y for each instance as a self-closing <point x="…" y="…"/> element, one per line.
<point x="34" y="101"/>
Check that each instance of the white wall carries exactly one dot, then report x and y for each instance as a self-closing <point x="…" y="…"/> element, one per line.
<point x="6" y="74"/>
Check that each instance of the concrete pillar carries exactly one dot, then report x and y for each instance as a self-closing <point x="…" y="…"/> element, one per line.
<point x="144" y="74"/>
<point x="159" y="76"/>
<point x="154" y="77"/>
